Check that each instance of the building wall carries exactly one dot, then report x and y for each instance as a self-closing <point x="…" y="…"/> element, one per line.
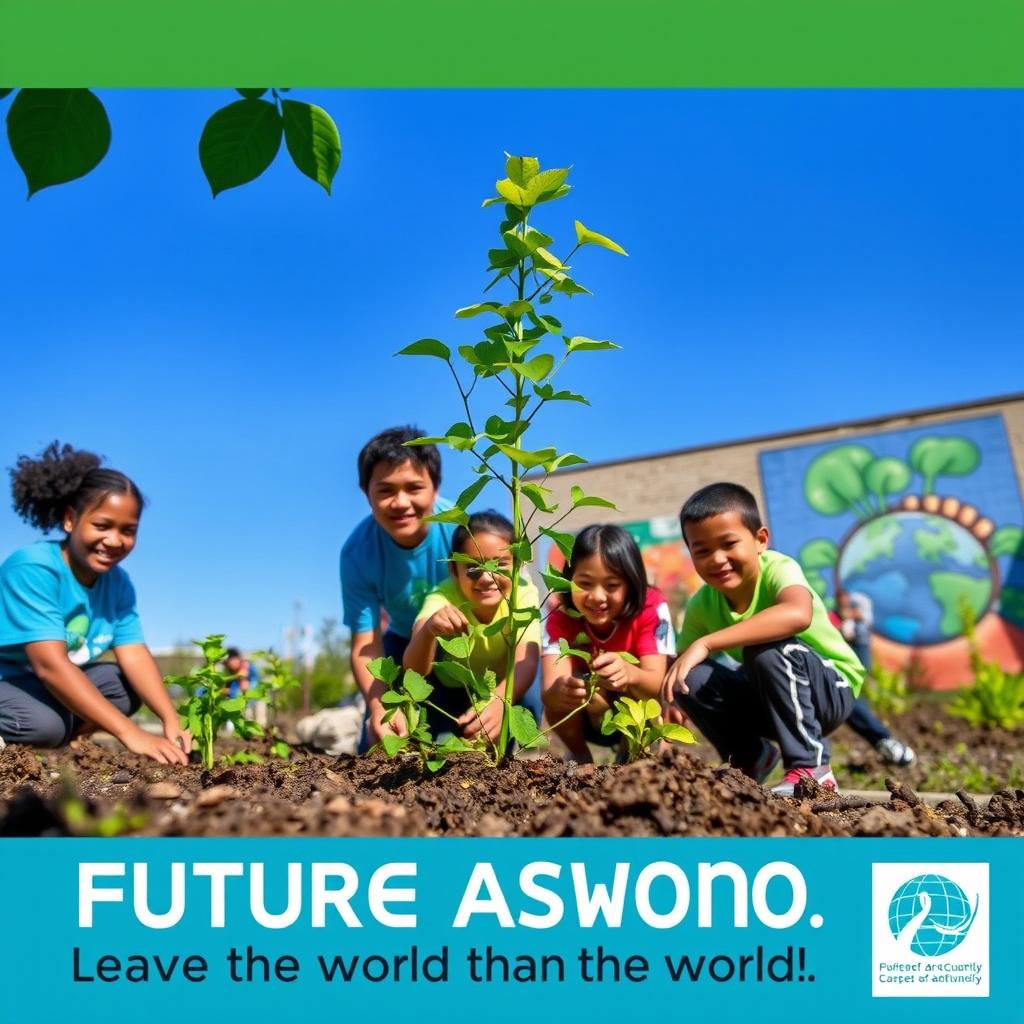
<point x="985" y="495"/>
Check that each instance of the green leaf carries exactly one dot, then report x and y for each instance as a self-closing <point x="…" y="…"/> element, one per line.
<point x="563" y="541"/>
<point x="448" y="515"/>
<point x="578" y="344"/>
<point x="550" y="324"/>
<point x="281" y="749"/>
<point x="515" y="310"/>
<point x="520" y="169"/>
<point x="543" y="258"/>
<point x="233" y="705"/>
<point x="542" y="186"/>
<point x="239" y="142"/>
<point x="555" y="581"/>
<point x="383" y="669"/>
<point x="539" y="496"/>
<point x="587" y="237"/>
<point x="522" y="550"/>
<point x="392" y="744"/>
<point x="513" y="193"/>
<point x="501" y="259"/>
<point x="312" y="140"/>
<point x="562" y="461"/>
<point x="527" y="459"/>
<point x="475" y="310"/>
<point x="607" y="725"/>
<point x="469" y="495"/>
<point x="391" y="699"/>
<point x="565" y="651"/>
<point x="536" y="369"/>
<point x="436" y="762"/>
<point x="818" y="554"/>
<point x="549" y="394"/>
<point x="581" y="500"/>
<point x="251" y="94"/>
<point x="457" y="646"/>
<point x="630" y="659"/>
<point x="1007" y="540"/>
<point x="523" y="726"/>
<point x="416" y="686"/>
<point x="676" y="733"/>
<point x="455" y="675"/>
<point x="427" y="347"/>
<point x="57" y="135"/>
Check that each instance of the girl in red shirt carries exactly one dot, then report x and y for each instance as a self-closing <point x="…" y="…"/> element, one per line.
<point x="610" y="610"/>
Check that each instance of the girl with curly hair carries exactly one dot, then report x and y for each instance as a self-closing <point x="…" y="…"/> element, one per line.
<point x="63" y="603"/>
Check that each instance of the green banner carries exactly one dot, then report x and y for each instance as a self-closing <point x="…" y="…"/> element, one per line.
<point x="479" y="43"/>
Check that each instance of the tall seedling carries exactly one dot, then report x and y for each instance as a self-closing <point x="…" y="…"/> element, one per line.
<point x="523" y="348"/>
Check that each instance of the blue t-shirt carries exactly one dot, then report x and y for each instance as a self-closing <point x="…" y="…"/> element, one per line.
<point x="40" y="599"/>
<point x="378" y="573"/>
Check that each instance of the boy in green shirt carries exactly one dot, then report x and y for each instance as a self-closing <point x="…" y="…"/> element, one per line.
<point x="798" y="677"/>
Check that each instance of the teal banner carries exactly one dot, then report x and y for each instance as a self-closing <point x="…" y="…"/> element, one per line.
<point x="470" y="930"/>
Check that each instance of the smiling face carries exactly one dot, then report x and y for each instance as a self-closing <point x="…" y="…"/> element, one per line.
<point x="484" y="590"/>
<point x="400" y="495"/>
<point x="599" y="593"/>
<point x="101" y="536"/>
<point x="725" y="554"/>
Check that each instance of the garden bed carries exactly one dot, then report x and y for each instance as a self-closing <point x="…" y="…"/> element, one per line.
<point x="85" y="789"/>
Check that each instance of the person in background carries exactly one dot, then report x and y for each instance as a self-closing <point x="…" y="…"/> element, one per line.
<point x="854" y="616"/>
<point x="247" y="677"/>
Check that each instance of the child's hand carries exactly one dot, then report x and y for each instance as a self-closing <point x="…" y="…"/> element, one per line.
<point x="448" y="621"/>
<point x="380" y="728"/>
<point x="614" y="672"/>
<point x="487" y="722"/>
<point x="675" y="678"/>
<point x="177" y="735"/>
<point x="567" y="693"/>
<point x="159" y="748"/>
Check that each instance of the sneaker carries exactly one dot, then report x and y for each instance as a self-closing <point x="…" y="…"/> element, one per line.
<point x="764" y="765"/>
<point x="822" y="775"/>
<point x="893" y="751"/>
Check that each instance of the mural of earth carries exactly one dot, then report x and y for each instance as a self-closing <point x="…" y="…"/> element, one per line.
<point x="917" y="568"/>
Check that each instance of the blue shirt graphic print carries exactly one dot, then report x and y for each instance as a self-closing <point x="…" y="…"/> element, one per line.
<point x="40" y="599"/>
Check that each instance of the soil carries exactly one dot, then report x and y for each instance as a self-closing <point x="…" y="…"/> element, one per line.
<point x="85" y="789"/>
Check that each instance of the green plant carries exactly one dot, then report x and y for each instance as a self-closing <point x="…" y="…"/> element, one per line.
<point x="637" y="722"/>
<point x="278" y="683"/>
<point x="509" y="359"/>
<point x="888" y="692"/>
<point x="82" y="821"/>
<point x="996" y="697"/>
<point x="207" y="706"/>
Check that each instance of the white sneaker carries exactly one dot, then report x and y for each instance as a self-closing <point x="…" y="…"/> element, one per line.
<point x="893" y="751"/>
<point x="822" y="775"/>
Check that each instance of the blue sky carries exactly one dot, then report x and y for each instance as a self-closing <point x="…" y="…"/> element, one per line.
<point x="796" y="258"/>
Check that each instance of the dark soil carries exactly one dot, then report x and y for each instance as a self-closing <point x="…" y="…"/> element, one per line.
<point x="86" y="790"/>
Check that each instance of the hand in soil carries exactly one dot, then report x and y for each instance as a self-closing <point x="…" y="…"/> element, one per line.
<point x="378" y="728"/>
<point x="675" y="678"/>
<point x="158" y="748"/>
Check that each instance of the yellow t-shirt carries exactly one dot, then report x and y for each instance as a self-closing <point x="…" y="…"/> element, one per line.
<point x="489" y="652"/>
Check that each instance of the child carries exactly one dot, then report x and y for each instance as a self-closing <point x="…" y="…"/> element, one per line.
<point x="392" y="559"/>
<point x="64" y="603"/>
<point x="468" y="598"/>
<point x="618" y="613"/>
<point x="798" y="678"/>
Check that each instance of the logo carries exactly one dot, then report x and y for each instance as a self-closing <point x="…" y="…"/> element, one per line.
<point x="930" y="929"/>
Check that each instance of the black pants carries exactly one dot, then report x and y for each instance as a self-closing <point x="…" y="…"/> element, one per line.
<point x="30" y="713"/>
<point x="784" y="692"/>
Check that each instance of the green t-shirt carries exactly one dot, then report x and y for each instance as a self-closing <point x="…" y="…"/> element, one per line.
<point x="708" y="611"/>
<point x="489" y="652"/>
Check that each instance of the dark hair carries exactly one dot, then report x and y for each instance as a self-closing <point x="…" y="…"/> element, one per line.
<point x="62" y="477"/>
<point x="481" y="522"/>
<point x="389" y="447"/>
<point x="620" y="553"/>
<point x="715" y="499"/>
<point x="232" y="652"/>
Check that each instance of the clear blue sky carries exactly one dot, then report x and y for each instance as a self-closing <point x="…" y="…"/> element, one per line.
<point x="796" y="258"/>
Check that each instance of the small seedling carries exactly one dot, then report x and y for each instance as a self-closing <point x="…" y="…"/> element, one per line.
<point x="887" y="692"/>
<point x="278" y="683"/>
<point x="637" y="721"/>
<point x="208" y="707"/>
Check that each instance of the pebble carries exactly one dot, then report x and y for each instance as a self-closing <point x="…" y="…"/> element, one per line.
<point x="163" y="791"/>
<point x="121" y="777"/>
<point x="215" y="795"/>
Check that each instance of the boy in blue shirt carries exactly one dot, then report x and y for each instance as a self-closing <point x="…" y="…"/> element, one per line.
<point x="798" y="676"/>
<point x="392" y="559"/>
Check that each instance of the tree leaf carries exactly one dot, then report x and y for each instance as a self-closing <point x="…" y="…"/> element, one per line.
<point x="562" y="461"/>
<point x="582" y="500"/>
<point x="312" y="140"/>
<point x="520" y="169"/>
<point x="522" y="549"/>
<point x="454" y="674"/>
<point x="676" y="733"/>
<point x="251" y="94"/>
<point x="475" y="310"/>
<point x="542" y="186"/>
<point x="239" y="142"/>
<point x="587" y="237"/>
<point x="522" y="726"/>
<point x="527" y="459"/>
<point x="427" y="347"/>
<point x="392" y="744"/>
<point x="563" y="541"/>
<point x="630" y="659"/>
<point x="549" y="394"/>
<point x="469" y="495"/>
<point x="416" y="686"/>
<point x="513" y="193"/>
<point x="383" y="669"/>
<point x="457" y="646"/>
<point x="537" y="368"/>
<point x="580" y="344"/>
<point x="448" y="515"/>
<point x="539" y="496"/>
<point x="555" y="581"/>
<point x="57" y="135"/>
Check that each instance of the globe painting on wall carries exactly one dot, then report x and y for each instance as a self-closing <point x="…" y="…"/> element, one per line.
<point x="927" y="522"/>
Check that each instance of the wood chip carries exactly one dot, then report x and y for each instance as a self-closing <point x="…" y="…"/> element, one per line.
<point x="163" y="791"/>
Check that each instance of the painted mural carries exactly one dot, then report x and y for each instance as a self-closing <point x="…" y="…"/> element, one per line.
<point x="927" y="522"/>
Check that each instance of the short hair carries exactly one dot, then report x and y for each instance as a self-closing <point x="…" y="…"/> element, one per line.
<point x="488" y="521"/>
<point x="232" y="652"/>
<point x="388" y="447"/>
<point x="63" y="477"/>
<point x="715" y="499"/>
<point x="620" y="553"/>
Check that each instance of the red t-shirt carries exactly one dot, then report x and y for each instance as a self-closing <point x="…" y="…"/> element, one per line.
<point x="650" y="632"/>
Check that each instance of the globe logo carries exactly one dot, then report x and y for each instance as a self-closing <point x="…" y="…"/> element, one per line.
<point x="930" y="915"/>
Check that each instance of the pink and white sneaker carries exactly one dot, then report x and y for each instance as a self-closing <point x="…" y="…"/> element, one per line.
<point x="822" y="775"/>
